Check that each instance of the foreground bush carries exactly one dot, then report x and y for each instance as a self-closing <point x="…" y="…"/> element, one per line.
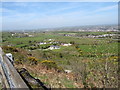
<point x="32" y="60"/>
<point x="49" y="64"/>
<point x="9" y="49"/>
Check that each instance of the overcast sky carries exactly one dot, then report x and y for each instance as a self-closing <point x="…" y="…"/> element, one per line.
<point x="35" y="15"/>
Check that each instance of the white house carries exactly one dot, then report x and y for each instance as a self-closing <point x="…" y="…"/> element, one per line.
<point x="66" y="44"/>
<point x="41" y="43"/>
<point x="50" y="39"/>
<point x="50" y="42"/>
<point x="53" y="47"/>
<point x="13" y="34"/>
<point x="30" y="35"/>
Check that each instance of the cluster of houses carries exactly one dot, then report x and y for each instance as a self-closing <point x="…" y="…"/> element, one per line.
<point x="29" y="35"/>
<point x="22" y="35"/>
<point x="58" y="47"/>
<point x="94" y="36"/>
<point x="51" y="41"/>
<point x="53" y="44"/>
<point x="54" y="47"/>
<point x="101" y="36"/>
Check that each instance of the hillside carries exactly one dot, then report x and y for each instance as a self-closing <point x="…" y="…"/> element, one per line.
<point x="66" y="59"/>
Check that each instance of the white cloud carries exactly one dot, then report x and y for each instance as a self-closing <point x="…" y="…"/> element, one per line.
<point x="107" y="8"/>
<point x="37" y="20"/>
<point x="68" y="19"/>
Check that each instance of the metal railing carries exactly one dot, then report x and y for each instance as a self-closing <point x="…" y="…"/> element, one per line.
<point x="12" y="76"/>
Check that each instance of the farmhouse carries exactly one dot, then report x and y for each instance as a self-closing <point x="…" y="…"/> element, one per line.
<point x="30" y="35"/>
<point x="13" y="34"/>
<point x="41" y="43"/>
<point x="66" y="44"/>
<point x="53" y="47"/>
<point x="50" y="39"/>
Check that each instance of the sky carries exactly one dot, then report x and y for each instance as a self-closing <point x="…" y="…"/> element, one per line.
<point x="37" y="15"/>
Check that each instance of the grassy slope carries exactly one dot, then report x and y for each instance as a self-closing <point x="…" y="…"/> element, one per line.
<point x="79" y="64"/>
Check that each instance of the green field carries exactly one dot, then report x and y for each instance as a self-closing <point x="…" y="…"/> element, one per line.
<point x="88" y="58"/>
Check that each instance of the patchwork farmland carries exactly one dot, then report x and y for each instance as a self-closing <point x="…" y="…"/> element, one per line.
<point x="66" y="59"/>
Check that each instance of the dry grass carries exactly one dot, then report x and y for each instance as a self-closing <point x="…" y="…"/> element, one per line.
<point x="51" y="77"/>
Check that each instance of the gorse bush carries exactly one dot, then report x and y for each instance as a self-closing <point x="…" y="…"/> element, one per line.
<point x="9" y="49"/>
<point x="17" y="61"/>
<point x="94" y="62"/>
<point x="19" y="58"/>
<point x="114" y="58"/>
<point x="49" y="64"/>
<point x="32" y="60"/>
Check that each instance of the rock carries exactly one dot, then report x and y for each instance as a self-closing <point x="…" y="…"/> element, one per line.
<point x="31" y="81"/>
<point x="68" y="71"/>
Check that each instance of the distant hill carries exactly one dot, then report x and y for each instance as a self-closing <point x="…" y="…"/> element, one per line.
<point x="73" y="28"/>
